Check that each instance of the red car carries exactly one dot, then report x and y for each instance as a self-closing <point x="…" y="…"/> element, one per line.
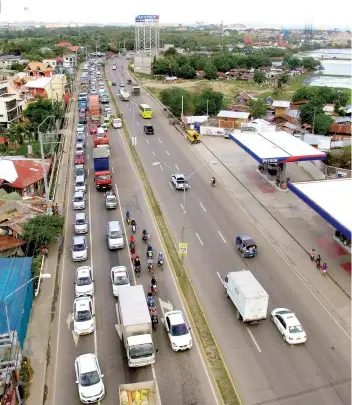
<point x="93" y="129"/>
<point x="79" y="158"/>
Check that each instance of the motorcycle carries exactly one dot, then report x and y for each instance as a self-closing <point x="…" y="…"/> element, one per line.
<point x="213" y="183"/>
<point x="132" y="245"/>
<point x="161" y="263"/>
<point x="128" y="220"/>
<point x="155" y="320"/>
<point x="154" y="288"/>
<point x="137" y="270"/>
<point x="150" y="266"/>
<point x="150" y="303"/>
<point x="145" y="237"/>
<point x="149" y="254"/>
<point x="133" y="228"/>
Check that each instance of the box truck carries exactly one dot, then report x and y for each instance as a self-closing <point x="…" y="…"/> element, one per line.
<point x="102" y="175"/>
<point x="134" y="326"/>
<point x="248" y="296"/>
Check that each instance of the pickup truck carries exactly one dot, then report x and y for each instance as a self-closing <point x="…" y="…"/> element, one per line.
<point x="148" y="129"/>
<point x="138" y="392"/>
<point x="179" y="182"/>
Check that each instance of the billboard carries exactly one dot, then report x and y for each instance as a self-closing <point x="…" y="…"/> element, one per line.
<point x="149" y="18"/>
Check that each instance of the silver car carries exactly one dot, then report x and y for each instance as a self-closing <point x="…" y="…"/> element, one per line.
<point x="81" y="223"/>
<point x="79" y="248"/>
<point x="79" y="201"/>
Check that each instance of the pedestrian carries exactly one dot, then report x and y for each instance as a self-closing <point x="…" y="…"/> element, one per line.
<point x="318" y="261"/>
<point x="46" y="250"/>
<point x="312" y="255"/>
<point x="324" y="269"/>
<point x="56" y="209"/>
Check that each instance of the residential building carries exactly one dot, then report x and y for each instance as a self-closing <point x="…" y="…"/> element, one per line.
<point x="341" y="129"/>
<point x="63" y="44"/>
<point x="329" y="109"/>
<point x="48" y="87"/>
<point x="54" y="62"/>
<point x="243" y="98"/>
<point x="39" y="69"/>
<point x="6" y="61"/>
<point x="25" y="176"/>
<point x="232" y="119"/>
<point x="70" y="61"/>
<point x="281" y="107"/>
<point x="10" y="106"/>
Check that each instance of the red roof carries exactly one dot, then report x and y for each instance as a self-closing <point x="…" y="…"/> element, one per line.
<point x="10" y="242"/>
<point x="58" y="59"/>
<point x="341" y="129"/>
<point x="73" y="48"/>
<point x="63" y="44"/>
<point x="2" y="140"/>
<point x="29" y="171"/>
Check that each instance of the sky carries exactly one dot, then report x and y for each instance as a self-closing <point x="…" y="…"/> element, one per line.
<point x="258" y="12"/>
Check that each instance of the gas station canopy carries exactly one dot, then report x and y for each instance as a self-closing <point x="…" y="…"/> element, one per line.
<point x="331" y="199"/>
<point x="275" y="147"/>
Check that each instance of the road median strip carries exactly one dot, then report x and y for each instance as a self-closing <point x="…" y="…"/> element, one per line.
<point x="210" y="349"/>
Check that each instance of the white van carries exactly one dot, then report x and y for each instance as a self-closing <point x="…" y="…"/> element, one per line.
<point x="115" y="235"/>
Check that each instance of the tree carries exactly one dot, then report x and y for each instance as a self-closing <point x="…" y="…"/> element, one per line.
<point x="187" y="71"/>
<point x="292" y="62"/>
<point x="172" y="98"/>
<point x="322" y="124"/>
<point x="210" y="71"/>
<point x="37" y="111"/>
<point x="171" y="52"/>
<point x="208" y="101"/>
<point x="257" y="108"/>
<point x="19" y="67"/>
<point x="259" y="76"/>
<point x="161" y="67"/>
<point x="308" y="111"/>
<point x="43" y="230"/>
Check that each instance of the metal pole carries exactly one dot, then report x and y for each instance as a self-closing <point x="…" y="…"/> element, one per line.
<point x="207" y="108"/>
<point x="182" y="107"/>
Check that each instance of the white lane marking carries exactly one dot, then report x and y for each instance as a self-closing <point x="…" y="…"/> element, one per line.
<point x="200" y="353"/>
<point x="153" y="152"/>
<point x="124" y="228"/>
<point x="203" y="207"/>
<point x="137" y="123"/>
<point x="155" y="381"/>
<point x="112" y="169"/>
<point x="147" y="141"/>
<point x="222" y="237"/>
<point x="200" y="240"/>
<point x="183" y="209"/>
<point x="177" y="167"/>
<point x="88" y="156"/>
<point x="141" y="131"/>
<point x="161" y="168"/>
<point x="168" y="153"/>
<point x="171" y="186"/>
<point x="88" y="172"/>
<point x="254" y="341"/>
<point x="92" y="266"/>
<point x="160" y="141"/>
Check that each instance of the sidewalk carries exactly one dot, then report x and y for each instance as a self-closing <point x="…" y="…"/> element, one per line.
<point x="306" y="227"/>
<point x="36" y="345"/>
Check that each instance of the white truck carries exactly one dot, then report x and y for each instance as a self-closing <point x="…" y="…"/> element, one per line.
<point x="248" y="296"/>
<point x="134" y="326"/>
<point x="125" y="95"/>
<point x="115" y="121"/>
<point x="142" y="391"/>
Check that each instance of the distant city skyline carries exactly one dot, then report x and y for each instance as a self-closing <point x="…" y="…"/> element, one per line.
<point x="111" y="12"/>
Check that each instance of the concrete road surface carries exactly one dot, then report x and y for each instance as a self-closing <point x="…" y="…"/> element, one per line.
<point x="182" y="377"/>
<point x="265" y="369"/>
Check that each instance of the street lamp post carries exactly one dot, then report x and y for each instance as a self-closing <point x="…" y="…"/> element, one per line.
<point x="44" y="275"/>
<point x="40" y="137"/>
<point x="207" y="108"/>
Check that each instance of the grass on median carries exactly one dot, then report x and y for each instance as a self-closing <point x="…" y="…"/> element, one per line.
<point x="210" y="349"/>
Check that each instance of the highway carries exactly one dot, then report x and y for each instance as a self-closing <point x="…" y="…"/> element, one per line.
<point x="182" y="377"/>
<point x="265" y="369"/>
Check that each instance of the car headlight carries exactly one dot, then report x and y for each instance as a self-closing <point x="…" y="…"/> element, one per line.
<point x="174" y="345"/>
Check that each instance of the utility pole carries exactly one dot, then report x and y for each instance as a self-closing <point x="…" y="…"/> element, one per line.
<point x="315" y="110"/>
<point x="181" y="107"/>
<point x="207" y="108"/>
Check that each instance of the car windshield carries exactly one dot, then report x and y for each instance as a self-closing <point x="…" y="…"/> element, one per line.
<point x="103" y="177"/>
<point x="120" y="279"/>
<point x="80" y="183"/>
<point x="180" y="180"/>
<point x="144" y="350"/>
<point x="90" y="378"/>
<point x="111" y="198"/>
<point x="82" y="316"/>
<point x="295" y="329"/>
<point x="115" y="234"/>
<point x="78" y="247"/>
<point x="86" y="280"/>
<point x="78" y="199"/>
<point x="179" y="330"/>
<point x="80" y="221"/>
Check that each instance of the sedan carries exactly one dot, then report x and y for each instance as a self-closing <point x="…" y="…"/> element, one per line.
<point x="79" y="158"/>
<point x="289" y="326"/>
<point x="80" y="128"/>
<point x="178" y="331"/>
<point x="89" y="378"/>
<point x="83" y="317"/>
<point x="93" y="129"/>
<point x="84" y="284"/>
<point x="179" y="181"/>
<point x="79" y="248"/>
<point x="119" y="279"/>
<point x="93" y="91"/>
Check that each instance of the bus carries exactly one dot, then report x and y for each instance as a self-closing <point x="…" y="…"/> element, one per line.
<point x="145" y="111"/>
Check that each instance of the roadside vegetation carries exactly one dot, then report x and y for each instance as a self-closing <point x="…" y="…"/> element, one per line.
<point x="340" y="158"/>
<point x="43" y="230"/>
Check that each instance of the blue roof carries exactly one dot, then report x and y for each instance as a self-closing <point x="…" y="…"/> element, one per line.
<point x="14" y="273"/>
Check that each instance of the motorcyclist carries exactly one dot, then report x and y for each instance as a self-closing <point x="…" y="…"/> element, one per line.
<point x="160" y="259"/>
<point x="137" y="262"/>
<point x="213" y="181"/>
<point x="149" y="251"/>
<point x="133" y="222"/>
<point x="153" y="281"/>
<point x="128" y="216"/>
<point x="132" y="240"/>
<point x="144" y="235"/>
<point x="153" y="285"/>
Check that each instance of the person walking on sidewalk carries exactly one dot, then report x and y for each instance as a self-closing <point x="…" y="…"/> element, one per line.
<point x="324" y="269"/>
<point x="312" y="255"/>
<point x="318" y="261"/>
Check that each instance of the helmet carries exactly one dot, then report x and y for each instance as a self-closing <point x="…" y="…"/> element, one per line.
<point x="160" y="254"/>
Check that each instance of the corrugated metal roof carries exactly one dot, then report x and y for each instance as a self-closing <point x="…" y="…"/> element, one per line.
<point x="233" y="114"/>
<point x="281" y="104"/>
<point x="15" y="273"/>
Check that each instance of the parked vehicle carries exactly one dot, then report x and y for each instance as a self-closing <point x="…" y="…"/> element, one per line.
<point x="193" y="136"/>
<point x="248" y="296"/>
<point x="134" y="326"/>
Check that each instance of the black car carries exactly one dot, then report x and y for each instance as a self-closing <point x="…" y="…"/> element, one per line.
<point x="149" y="129"/>
<point x="113" y="84"/>
<point x="129" y="81"/>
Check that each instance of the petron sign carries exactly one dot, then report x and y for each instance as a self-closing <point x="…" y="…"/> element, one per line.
<point x="147" y="18"/>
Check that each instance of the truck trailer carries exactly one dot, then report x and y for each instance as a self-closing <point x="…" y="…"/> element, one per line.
<point x="102" y="175"/>
<point x="142" y="391"/>
<point x="134" y="326"/>
<point x="248" y="296"/>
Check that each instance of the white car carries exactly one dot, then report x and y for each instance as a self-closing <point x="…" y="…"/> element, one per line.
<point x="81" y="223"/>
<point x="83" y="316"/>
<point x="79" y="201"/>
<point x="107" y="109"/>
<point x="80" y="128"/>
<point x="93" y="91"/>
<point x="179" y="181"/>
<point x="89" y="378"/>
<point x="289" y="326"/>
<point x="79" y="248"/>
<point x="114" y="67"/>
<point x="178" y="331"/>
<point x="104" y="127"/>
<point x="119" y="279"/>
<point x="84" y="284"/>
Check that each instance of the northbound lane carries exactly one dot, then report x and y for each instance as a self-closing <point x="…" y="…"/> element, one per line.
<point x="262" y="365"/>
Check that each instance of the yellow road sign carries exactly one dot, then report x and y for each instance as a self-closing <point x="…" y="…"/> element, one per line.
<point x="182" y="249"/>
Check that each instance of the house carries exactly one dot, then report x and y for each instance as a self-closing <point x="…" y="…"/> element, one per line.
<point x="6" y="61"/>
<point x="329" y="109"/>
<point x="232" y="119"/>
<point x="341" y="129"/>
<point x="63" y="44"/>
<point x="239" y="107"/>
<point x="10" y="106"/>
<point x="74" y="48"/>
<point x="281" y="107"/>
<point x="192" y="122"/>
<point x="48" y="87"/>
<point x="283" y="119"/>
<point x="343" y="120"/>
<point x="25" y="176"/>
<point x="54" y="62"/>
<point x="243" y="98"/>
<point x="39" y="69"/>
